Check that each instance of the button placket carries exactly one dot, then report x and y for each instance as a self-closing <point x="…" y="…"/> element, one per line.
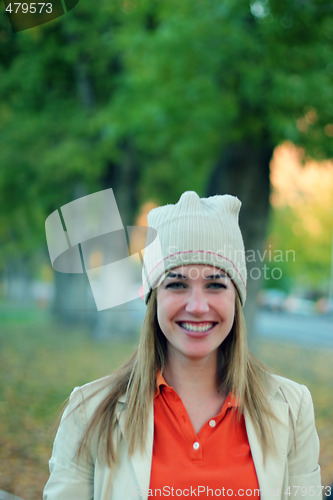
<point x="196" y="450"/>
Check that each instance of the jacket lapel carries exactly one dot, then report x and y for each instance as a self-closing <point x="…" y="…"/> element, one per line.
<point x="141" y="461"/>
<point x="270" y="473"/>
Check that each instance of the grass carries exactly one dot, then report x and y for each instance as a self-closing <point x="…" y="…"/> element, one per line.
<point x="41" y="362"/>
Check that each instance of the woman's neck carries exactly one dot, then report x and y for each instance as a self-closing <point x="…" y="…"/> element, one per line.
<point x="196" y="385"/>
<point x="192" y="376"/>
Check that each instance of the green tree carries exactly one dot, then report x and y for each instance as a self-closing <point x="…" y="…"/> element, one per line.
<point x="152" y="98"/>
<point x="55" y="141"/>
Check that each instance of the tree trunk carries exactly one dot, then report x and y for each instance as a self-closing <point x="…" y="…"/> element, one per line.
<point x="18" y="274"/>
<point x="73" y="301"/>
<point x="123" y="178"/>
<point x="243" y="171"/>
<point x="121" y="321"/>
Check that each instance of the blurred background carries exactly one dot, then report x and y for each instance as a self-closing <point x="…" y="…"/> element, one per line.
<point x="151" y="99"/>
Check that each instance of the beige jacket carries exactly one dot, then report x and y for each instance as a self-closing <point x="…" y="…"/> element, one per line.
<point x="293" y="472"/>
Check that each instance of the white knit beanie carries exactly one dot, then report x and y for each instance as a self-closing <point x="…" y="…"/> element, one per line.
<point x="196" y="231"/>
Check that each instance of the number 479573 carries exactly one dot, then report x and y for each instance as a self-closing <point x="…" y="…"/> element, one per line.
<point x="32" y="8"/>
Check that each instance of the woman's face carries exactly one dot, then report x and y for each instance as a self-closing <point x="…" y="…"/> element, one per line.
<point x="195" y="310"/>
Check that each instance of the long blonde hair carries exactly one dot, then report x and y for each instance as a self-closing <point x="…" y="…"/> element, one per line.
<point x="238" y="371"/>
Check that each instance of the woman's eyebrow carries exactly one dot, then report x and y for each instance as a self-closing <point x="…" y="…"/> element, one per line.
<point x="216" y="276"/>
<point x="176" y="275"/>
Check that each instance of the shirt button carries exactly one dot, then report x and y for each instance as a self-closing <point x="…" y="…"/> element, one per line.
<point x="196" y="445"/>
<point x="212" y="423"/>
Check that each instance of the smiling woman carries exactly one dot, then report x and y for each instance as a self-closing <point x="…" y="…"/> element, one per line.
<point x="195" y="313"/>
<point x="193" y="412"/>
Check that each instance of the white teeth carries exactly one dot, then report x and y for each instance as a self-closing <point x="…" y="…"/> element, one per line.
<point x="197" y="328"/>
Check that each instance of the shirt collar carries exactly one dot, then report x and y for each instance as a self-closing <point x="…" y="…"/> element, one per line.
<point x="160" y="381"/>
<point x="234" y="402"/>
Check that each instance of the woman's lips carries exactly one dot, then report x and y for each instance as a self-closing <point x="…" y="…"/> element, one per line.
<point x="197" y="328"/>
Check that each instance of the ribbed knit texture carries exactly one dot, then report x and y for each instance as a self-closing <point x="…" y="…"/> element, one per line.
<point x="196" y="231"/>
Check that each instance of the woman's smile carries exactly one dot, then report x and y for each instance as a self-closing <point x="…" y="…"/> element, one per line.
<point x="197" y="327"/>
<point x="197" y="330"/>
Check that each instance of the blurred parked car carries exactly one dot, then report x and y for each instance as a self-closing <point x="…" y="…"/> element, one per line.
<point x="272" y="299"/>
<point x="299" y="305"/>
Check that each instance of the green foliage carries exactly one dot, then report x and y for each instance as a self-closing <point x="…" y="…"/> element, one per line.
<point x="291" y="230"/>
<point x="51" y="84"/>
<point x="178" y="80"/>
<point x="220" y="73"/>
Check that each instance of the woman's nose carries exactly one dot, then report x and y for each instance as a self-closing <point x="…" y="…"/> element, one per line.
<point x="197" y="302"/>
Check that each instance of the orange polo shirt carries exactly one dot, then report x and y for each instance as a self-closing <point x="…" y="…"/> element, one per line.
<point x="214" y="463"/>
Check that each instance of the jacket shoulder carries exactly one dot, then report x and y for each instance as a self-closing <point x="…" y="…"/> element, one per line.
<point x="85" y="399"/>
<point x="101" y="384"/>
<point x="296" y="395"/>
<point x="285" y="383"/>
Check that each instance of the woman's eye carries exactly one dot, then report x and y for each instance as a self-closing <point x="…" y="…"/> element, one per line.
<point x="175" y="285"/>
<point x="217" y="285"/>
